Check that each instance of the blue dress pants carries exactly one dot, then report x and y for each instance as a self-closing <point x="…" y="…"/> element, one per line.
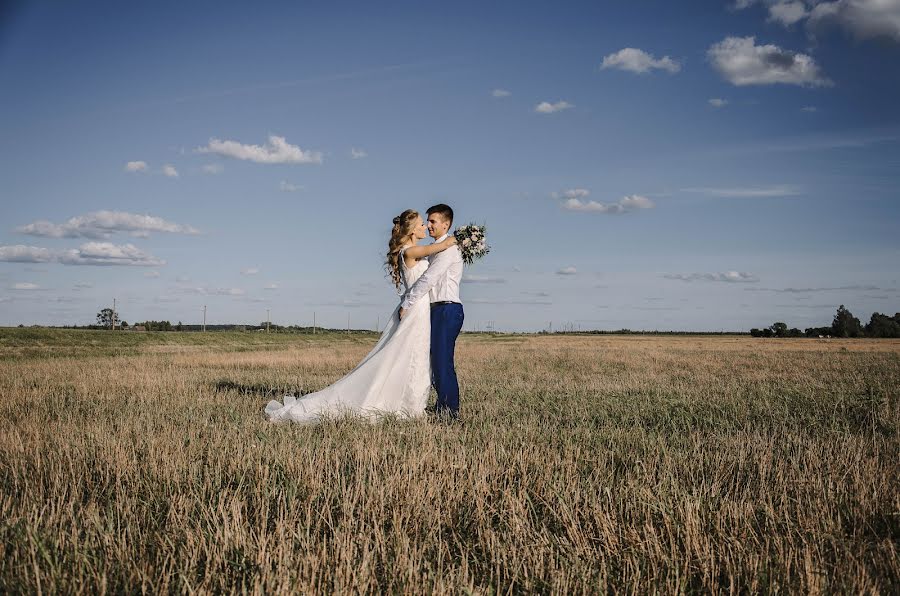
<point x="446" y="323"/>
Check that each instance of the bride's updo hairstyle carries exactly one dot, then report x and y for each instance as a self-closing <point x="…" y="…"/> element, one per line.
<point x="404" y="224"/>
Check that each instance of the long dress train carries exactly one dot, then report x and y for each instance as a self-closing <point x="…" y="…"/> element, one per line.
<point x="394" y="378"/>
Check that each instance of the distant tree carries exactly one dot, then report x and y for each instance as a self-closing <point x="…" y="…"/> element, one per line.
<point x="794" y="332"/>
<point x="779" y="329"/>
<point x="883" y="326"/>
<point x="755" y="332"/>
<point x="178" y="327"/>
<point x="124" y="324"/>
<point x="767" y="332"/>
<point x="845" y="324"/>
<point x="105" y="318"/>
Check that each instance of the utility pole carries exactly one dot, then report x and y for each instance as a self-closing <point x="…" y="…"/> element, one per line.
<point x="348" y="323"/>
<point x="378" y="324"/>
<point x="267" y="320"/>
<point x="204" y="317"/>
<point x="112" y="321"/>
<point x="314" y="322"/>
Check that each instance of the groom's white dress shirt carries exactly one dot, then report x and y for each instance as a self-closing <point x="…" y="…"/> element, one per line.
<point x="441" y="280"/>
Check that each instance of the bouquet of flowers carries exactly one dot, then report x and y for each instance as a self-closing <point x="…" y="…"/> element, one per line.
<point x="472" y="242"/>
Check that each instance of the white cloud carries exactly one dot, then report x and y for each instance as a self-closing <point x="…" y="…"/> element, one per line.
<point x="152" y="274"/>
<point x="182" y="279"/>
<point x="863" y="18"/>
<point x="213" y="168"/>
<point x="358" y="153"/>
<point x="567" y="271"/>
<point x="26" y="254"/>
<point x="728" y="276"/>
<point x="639" y="61"/>
<point x="91" y="253"/>
<point x="136" y="166"/>
<point x="572" y="193"/>
<point x="25" y="286"/>
<point x="271" y="287"/>
<point x="787" y="13"/>
<point x="103" y="224"/>
<point x="717" y="102"/>
<point x="782" y="190"/>
<point x="623" y="205"/>
<point x="741" y="62"/>
<point x="276" y="151"/>
<point x="286" y="186"/>
<point x="82" y="285"/>
<point x="809" y="109"/>
<point x="549" y="108"/>
<point x="170" y="171"/>
<point x="482" y="279"/>
<point x="500" y="93"/>
<point x="249" y="271"/>
<point x="106" y="253"/>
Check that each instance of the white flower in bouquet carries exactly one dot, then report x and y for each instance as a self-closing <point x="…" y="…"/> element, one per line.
<point x="471" y="240"/>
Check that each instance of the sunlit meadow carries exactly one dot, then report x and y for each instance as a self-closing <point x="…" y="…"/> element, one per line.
<point x="141" y="462"/>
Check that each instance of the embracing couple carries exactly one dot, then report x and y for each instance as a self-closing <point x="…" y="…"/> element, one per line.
<point x="416" y="349"/>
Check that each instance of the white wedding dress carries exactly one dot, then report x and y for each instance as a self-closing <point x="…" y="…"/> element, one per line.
<point x="395" y="378"/>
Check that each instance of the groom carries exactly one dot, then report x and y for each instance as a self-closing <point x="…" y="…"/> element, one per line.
<point x="440" y="284"/>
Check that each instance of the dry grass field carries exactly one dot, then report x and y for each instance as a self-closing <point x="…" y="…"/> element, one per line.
<point x="142" y="463"/>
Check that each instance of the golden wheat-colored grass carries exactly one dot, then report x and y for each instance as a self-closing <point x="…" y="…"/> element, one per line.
<point x="585" y="464"/>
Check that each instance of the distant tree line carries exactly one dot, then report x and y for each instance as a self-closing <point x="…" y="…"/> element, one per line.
<point x="843" y="325"/>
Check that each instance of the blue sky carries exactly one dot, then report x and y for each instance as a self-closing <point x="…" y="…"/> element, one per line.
<point x="650" y="165"/>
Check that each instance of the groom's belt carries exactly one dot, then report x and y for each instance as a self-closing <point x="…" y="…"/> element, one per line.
<point x="442" y="302"/>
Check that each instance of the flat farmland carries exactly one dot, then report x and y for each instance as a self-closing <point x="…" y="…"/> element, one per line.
<point x="141" y="462"/>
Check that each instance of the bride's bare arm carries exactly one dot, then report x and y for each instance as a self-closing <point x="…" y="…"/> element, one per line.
<point x="417" y="252"/>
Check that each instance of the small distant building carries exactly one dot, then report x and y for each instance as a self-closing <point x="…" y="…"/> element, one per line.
<point x="138" y="328"/>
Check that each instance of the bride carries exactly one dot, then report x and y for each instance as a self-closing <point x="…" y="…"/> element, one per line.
<point x="396" y="375"/>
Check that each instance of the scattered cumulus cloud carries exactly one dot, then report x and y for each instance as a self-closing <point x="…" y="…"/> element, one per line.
<point x="270" y="287"/>
<point x="358" y="153"/>
<point x="136" y="166"/>
<point x="286" y="186"/>
<point x="151" y="274"/>
<point x="781" y="190"/>
<point x="83" y="285"/>
<point x="809" y="109"/>
<point x="864" y="19"/>
<point x="103" y="224"/>
<point x="572" y="193"/>
<point x="546" y="107"/>
<point x="169" y="171"/>
<point x="25" y="286"/>
<point x="718" y="102"/>
<point x="576" y="202"/>
<point x="567" y="271"/>
<point x="787" y="13"/>
<point x="741" y="62"/>
<point x="90" y="253"/>
<point x="276" y="151"/>
<point x="639" y="61"/>
<point x="728" y="276"/>
<point x="482" y="279"/>
<point x="212" y="168"/>
<point x="500" y="93"/>
<point x="249" y="271"/>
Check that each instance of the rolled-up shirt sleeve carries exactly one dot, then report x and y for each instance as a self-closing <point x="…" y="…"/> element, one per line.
<point x="437" y="267"/>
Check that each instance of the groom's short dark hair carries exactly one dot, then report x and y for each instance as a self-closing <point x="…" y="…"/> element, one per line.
<point x="444" y="210"/>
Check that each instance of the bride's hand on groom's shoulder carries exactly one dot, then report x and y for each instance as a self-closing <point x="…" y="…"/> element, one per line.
<point x="450" y="241"/>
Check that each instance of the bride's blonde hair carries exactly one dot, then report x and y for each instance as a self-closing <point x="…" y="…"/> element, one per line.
<point x="404" y="224"/>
